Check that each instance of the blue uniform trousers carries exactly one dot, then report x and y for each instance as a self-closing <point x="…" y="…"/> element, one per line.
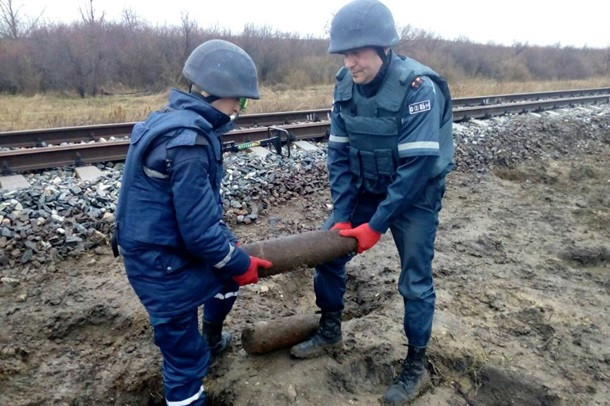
<point x="186" y="355"/>
<point x="414" y="232"/>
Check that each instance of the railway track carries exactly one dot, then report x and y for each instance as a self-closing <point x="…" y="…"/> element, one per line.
<point x="34" y="154"/>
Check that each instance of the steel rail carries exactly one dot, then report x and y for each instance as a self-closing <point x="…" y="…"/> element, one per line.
<point x="24" y="160"/>
<point x="463" y="113"/>
<point x="43" y="137"/>
<point x="38" y="138"/>
<point x="56" y="156"/>
<point x="516" y="97"/>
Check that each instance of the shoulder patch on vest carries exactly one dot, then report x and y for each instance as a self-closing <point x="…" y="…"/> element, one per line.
<point x="417" y="83"/>
<point x="419" y="107"/>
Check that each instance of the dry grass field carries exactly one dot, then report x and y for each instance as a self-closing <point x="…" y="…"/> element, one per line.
<point x="61" y="110"/>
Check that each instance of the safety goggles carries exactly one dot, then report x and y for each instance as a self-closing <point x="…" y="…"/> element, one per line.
<point x="243" y="103"/>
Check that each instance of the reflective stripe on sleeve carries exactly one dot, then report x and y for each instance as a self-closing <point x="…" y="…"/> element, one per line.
<point x="186" y="402"/>
<point x="227" y="295"/>
<point x="151" y="173"/>
<point x="226" y="259"/>
<point x="418" y="145"/>
<point x="336" y="138"/>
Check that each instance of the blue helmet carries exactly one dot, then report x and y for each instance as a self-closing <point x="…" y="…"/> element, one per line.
<point x="362" y="23"/>
<point x="222" y="69"/>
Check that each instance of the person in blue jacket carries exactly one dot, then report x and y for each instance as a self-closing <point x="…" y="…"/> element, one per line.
<point x="178" y="253"/>
<point x="389" y="150"/>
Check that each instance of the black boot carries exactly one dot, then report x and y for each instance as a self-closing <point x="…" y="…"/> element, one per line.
<point x="413" y="379"/>
<point x="217" y="340"/>
<point x="326" y="338"/>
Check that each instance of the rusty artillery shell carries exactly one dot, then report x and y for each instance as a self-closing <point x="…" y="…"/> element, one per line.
<point x="306" y="249"/>
<point x="265" y="336"/>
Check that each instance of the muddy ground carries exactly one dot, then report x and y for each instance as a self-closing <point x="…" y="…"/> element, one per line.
<point x="523" y="308"/>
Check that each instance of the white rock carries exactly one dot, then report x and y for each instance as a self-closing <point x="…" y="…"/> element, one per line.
<point x="10" y="281"/>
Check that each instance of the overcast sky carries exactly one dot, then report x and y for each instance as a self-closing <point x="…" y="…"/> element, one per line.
<point x="537" y="22"/>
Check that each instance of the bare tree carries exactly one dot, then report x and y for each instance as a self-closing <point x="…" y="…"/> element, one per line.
<point x="130" y="19"/>
<point x="89" y="14"/>
<point x="519" y="47"/>
<point x="93" y="54"/>
<point x="189" y="28"/>
<point x="12" y="24"/>
<point x="429" y="41"/>
<point x="408" y="36"/>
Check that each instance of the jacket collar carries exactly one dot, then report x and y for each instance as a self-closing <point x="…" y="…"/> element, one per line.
<point x="179" y="100"/>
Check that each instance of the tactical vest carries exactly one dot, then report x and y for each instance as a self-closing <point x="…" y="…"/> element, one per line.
<point x="145" y="212"/>
<point x="373" y="124"/>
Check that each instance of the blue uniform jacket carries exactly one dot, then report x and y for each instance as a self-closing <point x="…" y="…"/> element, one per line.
<point x="176" y="249"/>
<point x="390" y="144"/>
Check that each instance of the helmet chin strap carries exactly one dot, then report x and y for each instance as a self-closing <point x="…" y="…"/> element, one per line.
<point x="385" y="57"/>
<point x="208" y="98"/>
<point x="196" y="90"/>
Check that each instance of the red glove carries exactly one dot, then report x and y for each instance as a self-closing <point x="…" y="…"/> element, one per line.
<point x="346" y="225"/>
<point x="251" y="274"/>
<point x="366" y="236"/>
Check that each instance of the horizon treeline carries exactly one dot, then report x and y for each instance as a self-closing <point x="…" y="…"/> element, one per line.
<point x="93" y="56"/>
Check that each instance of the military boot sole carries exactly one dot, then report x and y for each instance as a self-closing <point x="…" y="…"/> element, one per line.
<point x="423" y="384"/>
<point x="304" y="352"/>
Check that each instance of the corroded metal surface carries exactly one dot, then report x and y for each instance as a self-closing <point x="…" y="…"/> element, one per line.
<point x="266" y="336"/>
<point x="301" y="250"/>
